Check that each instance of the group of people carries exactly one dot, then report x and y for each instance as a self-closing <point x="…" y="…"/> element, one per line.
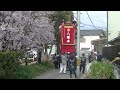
<point x="68" y="60"/>
<point x="95" y="56"/>
<point x="64" y="61"/>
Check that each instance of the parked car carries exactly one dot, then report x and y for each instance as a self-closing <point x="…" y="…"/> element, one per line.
<point x="30" y="54"/>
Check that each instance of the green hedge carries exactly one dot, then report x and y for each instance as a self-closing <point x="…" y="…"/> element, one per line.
<point x="101" y="70"/>
<point x="10" y="67"/>
<point x="9" y="64"/>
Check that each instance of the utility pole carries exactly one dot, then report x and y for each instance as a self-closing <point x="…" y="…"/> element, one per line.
<point x="107" y="29"/>
<point x="78" y="44"/>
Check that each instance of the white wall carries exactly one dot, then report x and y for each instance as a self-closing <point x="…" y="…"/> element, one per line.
<point x="113" y="24"/>
<point x="53" y="50"/>
<point x="87" y="43"/>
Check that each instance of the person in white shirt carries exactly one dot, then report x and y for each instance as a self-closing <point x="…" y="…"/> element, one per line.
<point x="63" y="64"/>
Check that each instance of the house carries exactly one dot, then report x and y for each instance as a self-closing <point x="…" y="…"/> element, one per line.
<point x="111" y="51"/>
<point x="86" y="36"/>
<point x="99" y="44"/>
<point x="115" y="41"/>
<point x="114" y="32"/>
<point x="113" y="24"/>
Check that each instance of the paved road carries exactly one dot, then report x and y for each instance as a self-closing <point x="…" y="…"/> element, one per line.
<point x="54" y="74"/>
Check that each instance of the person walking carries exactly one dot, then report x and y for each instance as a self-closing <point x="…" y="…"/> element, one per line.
<point x="72" y="65"/>
<point x="90" y="57"/>
<point x="83" y="63"/>
<point x="99" y="57"/>
<point x="63" y="63"/>
<point x="67" y="67"/>
<point x="59" y="60"/>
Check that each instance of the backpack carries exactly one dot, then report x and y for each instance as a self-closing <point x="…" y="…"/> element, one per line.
<point x="83" y="60"/>
<point x="72" y="64"/>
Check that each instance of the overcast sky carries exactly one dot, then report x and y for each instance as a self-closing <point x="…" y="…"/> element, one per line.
<point x="99" y="19"/>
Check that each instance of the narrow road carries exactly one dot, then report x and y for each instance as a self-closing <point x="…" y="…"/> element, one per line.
<point x="54" y="74"/>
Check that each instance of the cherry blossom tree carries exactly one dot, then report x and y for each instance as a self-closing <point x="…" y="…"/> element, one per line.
<point x="21" y="29"/>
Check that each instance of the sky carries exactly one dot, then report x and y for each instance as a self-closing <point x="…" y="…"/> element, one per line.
<point x="98" y="18"/>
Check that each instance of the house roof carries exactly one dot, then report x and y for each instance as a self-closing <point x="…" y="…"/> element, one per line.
<point x="92" y="32"/>
<point x="114" y="41"/>
<point x="99" y="41"/>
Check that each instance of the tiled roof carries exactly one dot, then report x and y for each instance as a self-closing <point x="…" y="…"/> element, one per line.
<point x="114" y="41"/>
<point x="92" y="32"/>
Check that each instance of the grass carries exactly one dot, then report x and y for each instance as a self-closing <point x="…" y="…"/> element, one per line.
<point x="31" y="71"/>
<point x="101" y="70"/>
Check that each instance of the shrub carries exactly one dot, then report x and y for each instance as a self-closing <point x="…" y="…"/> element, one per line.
<point x="9" y="64"/>
<point x="10" y="67"/>
<point x="102" y="70"/>
<point x="24" y="73"/>
<point x="31" y="71"/>
<point x="47" y="63"/>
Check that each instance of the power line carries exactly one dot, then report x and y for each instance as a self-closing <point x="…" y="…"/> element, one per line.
<point x="92" y="25"/>
<point x="90" y="19"/>
<point x="91" y="22"/>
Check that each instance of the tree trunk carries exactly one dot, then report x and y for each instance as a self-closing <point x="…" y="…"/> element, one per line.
<point x="46" y="45"/>
<point x="58" y="48"/>
<point x="26" y="61"/>
<point x="38" y="55"/>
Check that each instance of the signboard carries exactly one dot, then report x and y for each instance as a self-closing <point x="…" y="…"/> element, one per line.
<point x="67" y="38"/>
<point x="68" y="35"/>
<point x="67" y="48"/>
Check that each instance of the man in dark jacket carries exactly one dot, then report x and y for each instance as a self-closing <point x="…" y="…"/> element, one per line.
<point x="59" y="60"/>
<point x="55" y="61"/>
<point x="72" y="65"/>
<point x="90" y="57"/>
<point x="99" y="57"/>
<point x="83" y="63"/>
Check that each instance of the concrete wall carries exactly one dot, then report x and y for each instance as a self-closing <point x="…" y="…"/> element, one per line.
<point x="53" y="51"/>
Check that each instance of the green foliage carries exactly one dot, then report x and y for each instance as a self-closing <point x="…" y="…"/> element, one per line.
<point x="30" y="71"/>
<point x="62" y="15"/>
<point x="102" y="70"/>
<point x="58" y="17"/>
<point x="9" y="64"/>
<point x="10" y="67"/>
